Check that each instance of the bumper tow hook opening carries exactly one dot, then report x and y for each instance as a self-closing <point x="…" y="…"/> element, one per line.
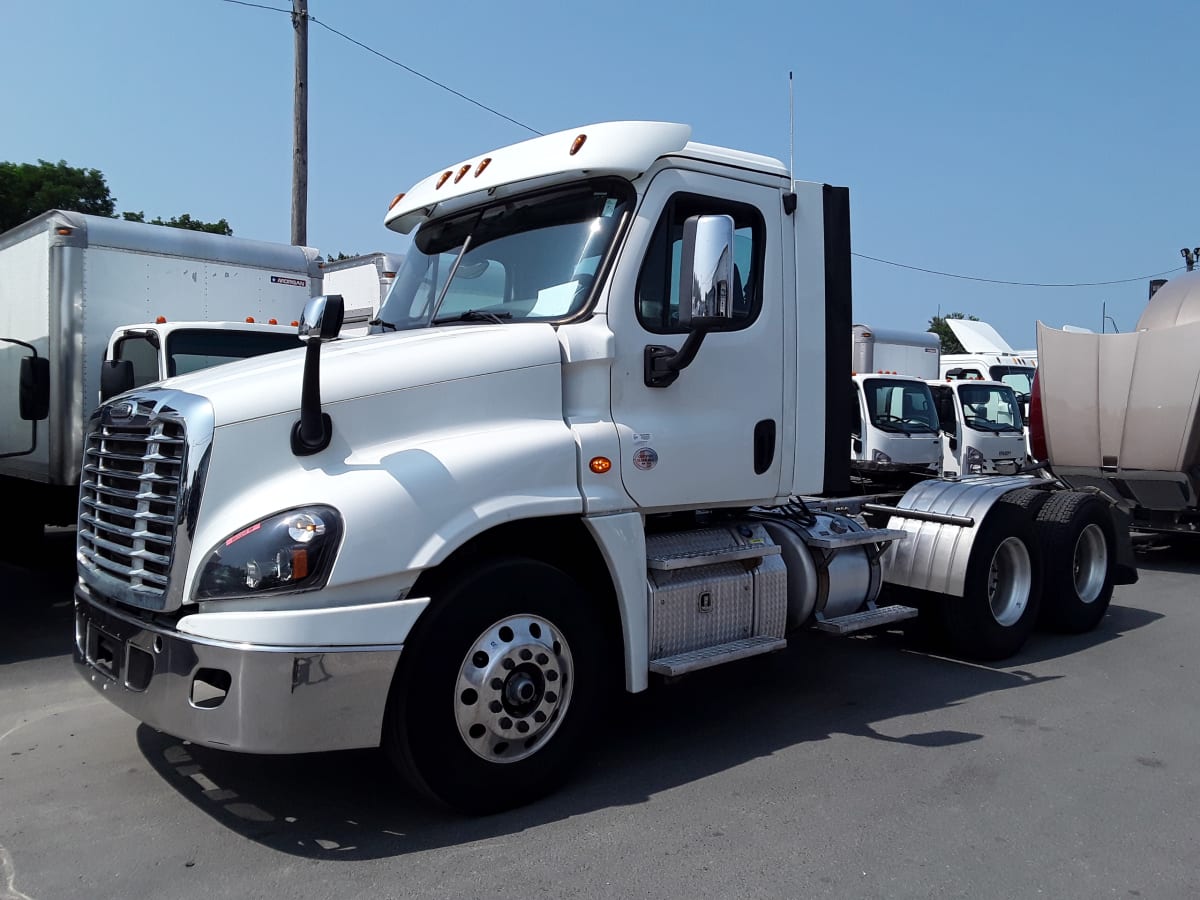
<point x="210" y="687"/>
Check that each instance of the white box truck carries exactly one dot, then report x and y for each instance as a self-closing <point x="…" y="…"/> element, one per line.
<point x="894" y="431"/>
<point x="363" y="282"/>
<point x="67" y="280"/>
<point x="614" y="367"/>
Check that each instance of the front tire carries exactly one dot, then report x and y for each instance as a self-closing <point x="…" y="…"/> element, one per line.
<point x="496" y="686"/>
<point x="1002" y="589"/>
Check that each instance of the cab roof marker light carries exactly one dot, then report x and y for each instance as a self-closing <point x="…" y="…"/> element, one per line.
<point x="250" y="319"/>
<point x="442" y="180"/>
<point x="160" y="320"/>
<point x="578" y="143"/>
<point x="461" y="172"/>
<point x="483" y="164"/>
<point x="272" y="321"/>
<point x="396" y="200"/>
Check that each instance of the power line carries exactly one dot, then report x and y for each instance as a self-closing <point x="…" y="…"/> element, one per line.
<point x="1051" y="284"/>
<point x="433" y="81"/>
<point x="259" y="6"/>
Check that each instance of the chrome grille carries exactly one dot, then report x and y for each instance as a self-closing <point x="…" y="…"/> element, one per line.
<point x="130" y="498"/>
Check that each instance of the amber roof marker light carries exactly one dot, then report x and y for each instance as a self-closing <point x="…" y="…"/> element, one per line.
<point x="483" y="164"/>
<point x="578" y="143"/>
<point x="442" y="179"/>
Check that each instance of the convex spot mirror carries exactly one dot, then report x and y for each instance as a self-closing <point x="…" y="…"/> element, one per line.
<point x="706" y="273"/>
<point x="322" y="319"/>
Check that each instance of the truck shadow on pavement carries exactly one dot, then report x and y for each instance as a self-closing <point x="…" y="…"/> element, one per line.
<point x="349" y="805"/>
<point x="36" y="599"/>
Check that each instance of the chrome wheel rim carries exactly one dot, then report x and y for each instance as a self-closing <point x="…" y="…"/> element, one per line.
<point x="1010" y="580"/>
<point x="513" y="688"/>
<point x="1090" y="563"/>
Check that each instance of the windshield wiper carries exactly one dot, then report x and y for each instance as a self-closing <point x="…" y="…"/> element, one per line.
<point x="476" y="315"/>
<point x="387" y="326"/>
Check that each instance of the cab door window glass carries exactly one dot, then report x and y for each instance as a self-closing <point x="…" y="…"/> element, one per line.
<point x="658" y="281"/>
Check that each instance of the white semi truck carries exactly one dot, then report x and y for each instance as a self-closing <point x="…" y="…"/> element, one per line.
<point x="613" y="366"/>
<point x="67" y="281"/>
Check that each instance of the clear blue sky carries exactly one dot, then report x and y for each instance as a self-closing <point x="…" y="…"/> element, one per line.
<point x="1027" y="141"/>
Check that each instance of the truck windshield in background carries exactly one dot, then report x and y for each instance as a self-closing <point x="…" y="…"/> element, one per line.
<point x="900" y="406"/>
<point x="990" y="408"/>
<point x="189" y="350"/>
<point x="1019" y="378"/>
<point x="527" y="258"/>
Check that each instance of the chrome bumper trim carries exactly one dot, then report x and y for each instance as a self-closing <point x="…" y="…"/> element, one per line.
<point x="279" y="699"/>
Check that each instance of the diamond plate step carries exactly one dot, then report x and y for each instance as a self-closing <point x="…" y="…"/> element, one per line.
<point x="682" y="663"/>
<point x="868" y="618"/>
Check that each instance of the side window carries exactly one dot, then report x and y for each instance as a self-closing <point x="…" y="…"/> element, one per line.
<point x="142" y="354"/>
<point x="658" y="281"/>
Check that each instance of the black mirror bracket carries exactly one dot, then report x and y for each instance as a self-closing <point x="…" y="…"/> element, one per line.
<point x="320" y="322"/>
<point x="662" y="364"/>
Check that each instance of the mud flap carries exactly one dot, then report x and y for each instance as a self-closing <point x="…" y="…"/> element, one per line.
<point x="1125" y="568"/>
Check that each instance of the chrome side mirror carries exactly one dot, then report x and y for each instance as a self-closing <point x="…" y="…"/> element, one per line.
<point x="322" y="319"/>
<point x="706" y="282"/>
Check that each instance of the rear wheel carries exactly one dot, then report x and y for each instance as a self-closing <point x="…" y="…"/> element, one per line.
<point x="1001" y="590"/>
<point x="496" y="687"/>
<point x="1080" y="545"/>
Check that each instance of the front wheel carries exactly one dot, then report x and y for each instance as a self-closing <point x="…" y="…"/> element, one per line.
<point x="1002" y="589"/>
<point x="496" y="687"/>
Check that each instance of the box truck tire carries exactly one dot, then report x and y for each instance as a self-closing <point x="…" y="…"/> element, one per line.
<point x="496" y="686"/>
<point x="1077" y="535"/>
<point x="1002" y="590"/>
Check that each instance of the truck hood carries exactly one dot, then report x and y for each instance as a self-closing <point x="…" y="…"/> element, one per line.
<point x="270" y="384"/>
<point x="979" y="337"/>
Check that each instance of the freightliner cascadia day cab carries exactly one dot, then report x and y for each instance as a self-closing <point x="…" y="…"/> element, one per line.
<point x="611" y="368"/>
<point x="67" y="281"/>
<point x="1120" y="413"/>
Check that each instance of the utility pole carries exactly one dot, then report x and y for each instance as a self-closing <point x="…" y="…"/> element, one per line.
<point x="300" y="126"/>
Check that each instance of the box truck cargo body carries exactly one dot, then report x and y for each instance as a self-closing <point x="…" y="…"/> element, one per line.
<point x="67" y="280"/>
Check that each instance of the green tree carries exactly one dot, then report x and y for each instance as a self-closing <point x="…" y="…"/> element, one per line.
<point x="937" y="324"/>
<point x="28" y="190"/>
<point x="184" y="221"/>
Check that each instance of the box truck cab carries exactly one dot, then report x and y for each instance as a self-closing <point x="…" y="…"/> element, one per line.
<point x="983" y="431"/>
<point x="893" y="426"/>
<point x="138" y="355"/>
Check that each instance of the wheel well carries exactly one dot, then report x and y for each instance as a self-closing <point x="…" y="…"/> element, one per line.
<point x="561" y="541"/>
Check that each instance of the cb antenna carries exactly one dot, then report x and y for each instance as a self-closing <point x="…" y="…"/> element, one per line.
<point x="791" y="133"/>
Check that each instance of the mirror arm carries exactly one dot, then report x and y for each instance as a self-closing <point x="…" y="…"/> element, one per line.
<point x="663" y="364"/>
<point x="315" y="429"/>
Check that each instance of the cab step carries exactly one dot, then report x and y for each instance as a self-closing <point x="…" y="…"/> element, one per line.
<point x="682" y="663"/>
<point x="868" y="618"/>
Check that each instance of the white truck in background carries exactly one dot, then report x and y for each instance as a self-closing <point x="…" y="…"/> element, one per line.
<point x="582" y="465"/>
<point x="1120" y="413"/>
<point x="67" y="281"/>
<point x="363" y="282"/>
<point x="138" y="355"/>
<point x="979" y="426"/>
<point x="988" y="357"/>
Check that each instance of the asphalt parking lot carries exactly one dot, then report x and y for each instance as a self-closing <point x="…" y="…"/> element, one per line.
<point x="860" y="767"/>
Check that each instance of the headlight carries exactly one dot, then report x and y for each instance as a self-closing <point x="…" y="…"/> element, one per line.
<point x="975" y="461"/>
<point x="880" y="457"/>
<point x="289" y="551"/>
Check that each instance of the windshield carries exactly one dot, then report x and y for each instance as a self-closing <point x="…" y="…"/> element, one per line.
<point x="531" y="258"/>
<point x="990" y="407"/>
<point x="191" y="350"/>
<point x="900" y="406"/>
<point x="1019" y="378"/>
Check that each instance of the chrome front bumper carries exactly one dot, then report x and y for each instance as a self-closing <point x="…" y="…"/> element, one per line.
<point x="234" y="696"/>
